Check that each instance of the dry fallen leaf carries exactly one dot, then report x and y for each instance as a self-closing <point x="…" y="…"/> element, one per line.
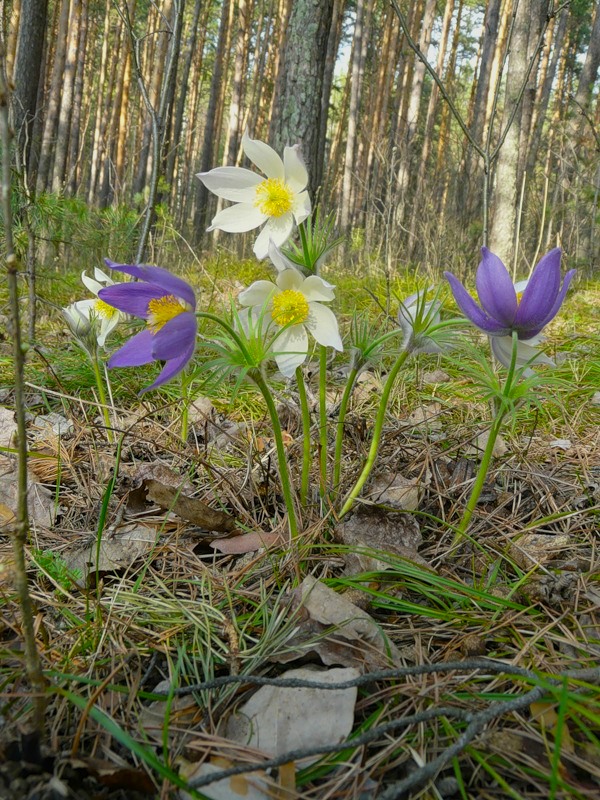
<point x="538" y="548"/>
<point x="8" y="427"/>
<point x="41" y="501"/>
<point x="339" y="631"/>
<point x="182" y="713"/>
<point x="189" y="508"/>
<point x="277" y="719"/>
<point x="246" y="543"/>
<point x="253" y="786"/>
<point x="117" y="550"/>
<point x="395" y="490"/>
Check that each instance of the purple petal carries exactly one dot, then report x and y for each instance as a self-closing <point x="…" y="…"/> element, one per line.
<point x="175" y="336"/>
<point x="530" y="332"/>
<point x="135" y="352"/>
<point x="172" y="368"/>
<point x="495" y="289"/>
<point x="162" y="277"/>
<point x="472" y="311"/>
<point x="132" y="298"/>
<point x="541" y="293"/>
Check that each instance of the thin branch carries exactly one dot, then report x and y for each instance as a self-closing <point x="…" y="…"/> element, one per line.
<point x="20" y="530"/>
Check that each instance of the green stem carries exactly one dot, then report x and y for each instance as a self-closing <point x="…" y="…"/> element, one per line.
<point x="305" y="437"/>
<point x="305" y="250"/>
<point x="489" y="448"/>
<point x="284" y="474"/>
<point x="339" y="435"/>
<point x="376" y="434"/>
<point x="323" y="417"/>
<point x="102" y="396"/>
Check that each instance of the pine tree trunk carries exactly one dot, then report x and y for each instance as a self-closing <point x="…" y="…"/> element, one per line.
<point x="28" y="66"/>
<point x="66" y="103"/>
<point x="297" y="114"/>
<point x="76" y="115"/>
<point x="99" y="94"/>
<point x="54" y="98"/>
<point x="506" y="189"/>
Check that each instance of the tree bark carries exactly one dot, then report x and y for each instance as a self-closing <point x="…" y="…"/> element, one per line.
<point x="297" y="114"/>
<point x="27" y="71"/>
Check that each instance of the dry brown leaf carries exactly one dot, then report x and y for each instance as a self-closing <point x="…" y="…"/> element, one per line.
<point x="356" y="640"/>
<point x="117" y="551"/>
<point x="253" y="786"/>
<point x="247" y="543"/>
<point x="189" y="508"/>
<point x="395" y="490"/>
<point x="8" y="427"/>
<point x="277" y="719"/>
<point x="372" y="528"/>
<point x="538" y="548"/>
<point x="41" y="501"/>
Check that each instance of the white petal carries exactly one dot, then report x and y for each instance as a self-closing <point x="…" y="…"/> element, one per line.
<point x="301" y="207"/>
<point x="90" y="284"/>
<point x="502" y="349"/>
<point x="238" y="218"/>
<point x="107" y="325"/>
<point x="231" y="183"/>
<point x="290" y="349"/>
<point x="296" y="175"/>
<point x="520" y="286"/>
<point x="280" y="261"/>
<point x="258" y="293"/>
<point x="277" y="229"/>
<point x="290" y="279"/>
<point x="102" y="277"/>
<point x="265" y="158"/>
<point x="323" y="325"/>
<point x="315" y="288"/>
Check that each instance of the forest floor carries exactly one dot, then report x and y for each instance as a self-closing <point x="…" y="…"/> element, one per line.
<point x="467" y="670"/>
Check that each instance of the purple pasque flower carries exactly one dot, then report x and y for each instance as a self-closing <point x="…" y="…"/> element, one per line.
<point x="167" y="303"/>
<point x="504" y="309"/>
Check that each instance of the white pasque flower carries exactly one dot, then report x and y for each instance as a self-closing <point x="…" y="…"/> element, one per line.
<point x="274" y="201"/>
<point x="527" y="352"/>
<point x="85" y="314"/>
<point x="294" y="304"/>
<point x="416" y="316"/>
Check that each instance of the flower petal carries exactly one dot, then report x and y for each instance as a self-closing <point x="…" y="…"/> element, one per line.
<point x="301" y="207"/>
<point x="323" y="325"/>
<point x="90" y="284"/>
<point x="132" y="298"/>
<point x="296" y="175"/>
<point x="239" y="218"/>
<point x="495" y="289"/>
<point x="265" y="158"/>
<point x="315" y="288"/>
<point x="175" y="336"/>
<point x="107" y="326"/>
<point x="280" y="260"/>
<point x="277" y="229"/>
<point x="258" y="293"/>
<point x="290" y="349"/>
<point x="471" y="310"/>
<point x="526" y="353"/>
<point x="290" y="279"/>
<point x="172" y="368"/>
<point x="231" y="183"/>
<point x="159" y="276"/>
<point x="541" y="293"/>
<point x="135" y="352"/>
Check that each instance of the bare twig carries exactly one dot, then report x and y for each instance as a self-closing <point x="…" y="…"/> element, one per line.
<point x="20" y="531"/>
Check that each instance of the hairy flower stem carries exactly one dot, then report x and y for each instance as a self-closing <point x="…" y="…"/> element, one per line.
<point x="284" y="474"/>
<point x="306" y="449"/>
<point x="185" y="411"/>
<point x="323" y="418"/>
<point x="20" y="529"/>
<point x="489" y="448"/>
<point x="379" y="420"/>
<point x="339" y="435"/>
<point x="102" y="397"/>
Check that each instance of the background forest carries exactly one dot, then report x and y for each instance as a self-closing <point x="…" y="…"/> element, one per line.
<point x="118" y="104"/>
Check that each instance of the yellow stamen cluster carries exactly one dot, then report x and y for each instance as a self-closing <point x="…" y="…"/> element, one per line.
<point x="290" y="307"/>
<point x="103" y="310"/>
<point x="274" y="197"/>
<point x="163" y="309"/>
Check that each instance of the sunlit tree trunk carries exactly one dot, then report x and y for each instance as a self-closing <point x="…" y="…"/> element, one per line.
<point x="99" y="95"/>
<point x="54" y="99"/>
<point x="506" y="189"/>
<point x="297" y="112"/>
<point x="77" y="111"/>
<point x="66" y="103"/>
